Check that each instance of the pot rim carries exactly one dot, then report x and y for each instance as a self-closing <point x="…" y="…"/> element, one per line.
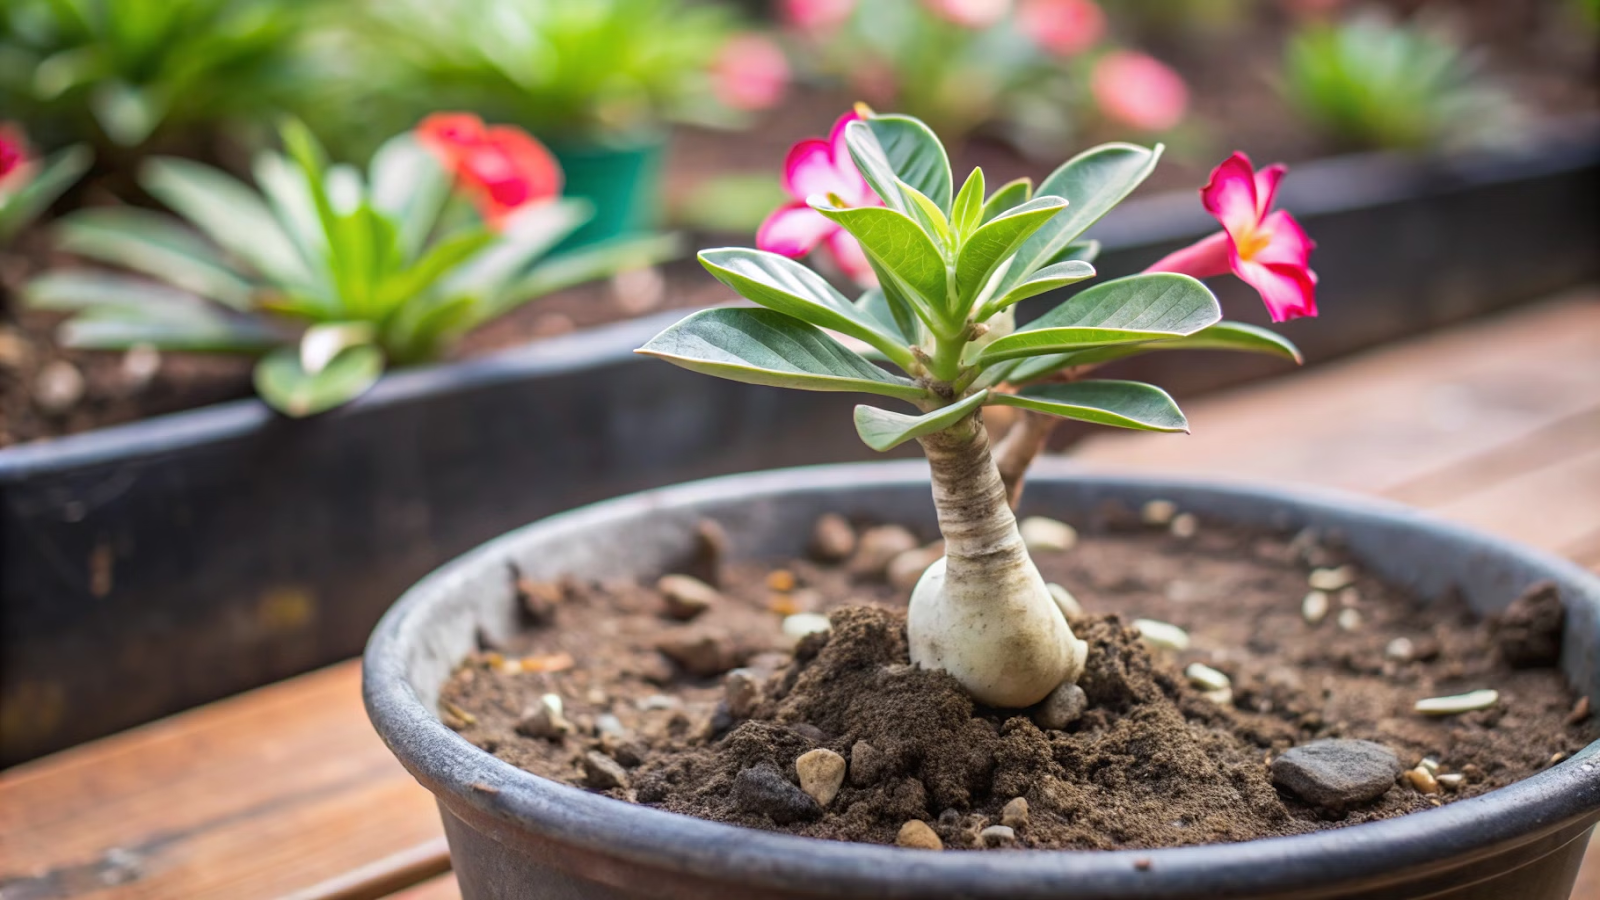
<point x="1560" y="797"/>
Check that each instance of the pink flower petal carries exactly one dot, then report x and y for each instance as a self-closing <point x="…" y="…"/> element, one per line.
<point x="1230" y="195"/>
<point x="794" y="230"/>
<point x="1267" y="187"/>
<point x="1211" y="255"/>
<point x="1289" y="292"/>
<point x="1063" y="27"/>
<point x="817" y="16"/>
<point x="1287" y="243"/>
<point x="1139" y="91"/>
<point x="809" y="169"/>
<point x="974" y="14"/>
<point x="750" y="73"/>
<point x="848" y="255"/>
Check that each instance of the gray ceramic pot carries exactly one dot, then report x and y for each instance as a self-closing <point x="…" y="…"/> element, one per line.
<point x="516" y="835"/>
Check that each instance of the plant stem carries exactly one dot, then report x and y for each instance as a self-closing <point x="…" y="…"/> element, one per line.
<point x="1025" y="440"/>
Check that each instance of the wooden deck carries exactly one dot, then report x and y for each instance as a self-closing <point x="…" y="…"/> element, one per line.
<point x="286" y="792"/>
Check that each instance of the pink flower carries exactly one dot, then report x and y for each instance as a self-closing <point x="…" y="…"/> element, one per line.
<point x="1264" y="247"/>
<point x="974" y="14"/>
<point x="817" y="167"/>
<point x="1063" y="27"/>
<point x="1139" y="91"/>
<point x="13" y="150"/>
<point x="750" y="73"/>
<point x="502" y="168"/>
<point x="817" y="16"/>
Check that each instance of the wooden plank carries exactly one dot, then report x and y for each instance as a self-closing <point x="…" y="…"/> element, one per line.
<point x="258" y="796"/>
<point x="442" y="888"/>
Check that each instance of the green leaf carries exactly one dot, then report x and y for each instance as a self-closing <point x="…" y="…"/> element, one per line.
<point x="1124" y="404"/>
<point x="1046" y="279"/>
<point x="127" y="113"/>
<point x="781" y="284"/>
<point x="528" y="235"/>
<point x="1146" y="307"/>
<point x="231" y="214"/>
<point x="287" y="387"/>
<point x="901" y="324"/>
<point x="883" y="430"/>
<point x="156" y="245"/>
<point x="966" y="212"/>
<point x="74" y="289"/>
<point x="1221" y="336"/>
<point x="409" y="187"/>
<point x="903" y="250"/>
<point x="928" y="215"/>
<point x="444" y="254"/>
<point x="1093" y="182"/>
<point x="210" y="331"/>
<point x="58" y="172"/>
<point x="586" y="263"/>
<point x="1007" y="196"/>
<point x="1084" y="251"/>
<point x="886" y="148"/>
<point x="992" y="244"/>
<point x="760" y="346"/>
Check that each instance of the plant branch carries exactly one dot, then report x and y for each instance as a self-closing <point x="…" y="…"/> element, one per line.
<point x="1022" y="443"/>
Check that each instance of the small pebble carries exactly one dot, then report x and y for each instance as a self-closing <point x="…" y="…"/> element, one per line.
<point x="638" y="291"/>
<point x="1220" y="696"/>
<point x="998" y="836"/>
<point x="799" y="625"/>
<point x="1064" y="706"/>
<point x="660" y="701"/>
<point x="1422" y="780"/>
<point x="916" y="835"/>
<point x="906" y="569"/>
<point x="1314" y="608"/>
<point x="1429" y="763"/>
<point x="866" y="764"/>
<point x="1161" y="635"/>
<point x="1068" y="604"/>
<point x="699" y="650"/>
<point x="58" y="387"/>
<point x="1458" y="703"/>
<point x="877" y="547"/>
<point x="1206" y="678"/>
<point x="1015" y="814"/>
<point x="781" y="580"/>
<point x="1158" y="512"/>
<point x="1528" y="633"/>
<point x="1337" y="773"/>
<point x="761" y="788"/>
<point x="1349" y="619"/>
<point x="140" y="364"/>
<point x="1580" y="711"/>
<point x="545" y="720"/>
<point x="609" y="724"/>
<point x="687" y="597"/>
<point x="603" y="773"/>
<point x="1400" y="650"/>
<point x="1331" y="579"/>
<point x="821" y="774"/>
<point x="1185" y="526"/>
<point x="741" y="689"/>
<point x="1040" y="533"/>
<point x="1451" y="781"/>
<point x="832" y="538"/>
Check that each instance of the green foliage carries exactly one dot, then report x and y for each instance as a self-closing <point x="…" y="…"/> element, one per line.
<point x="330" y="273"/>
<point x="568" y="71"/>
<point x="25" y="195"/>
<point x="950" y="271"/>
<point x="1373" y="83"/>
<point x="119" y="73"/>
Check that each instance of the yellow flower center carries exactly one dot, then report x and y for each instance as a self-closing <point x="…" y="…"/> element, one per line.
<point x="1251" y="242"/>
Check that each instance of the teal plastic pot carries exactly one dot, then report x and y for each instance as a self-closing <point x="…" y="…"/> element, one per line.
<point x="622" y="181"/>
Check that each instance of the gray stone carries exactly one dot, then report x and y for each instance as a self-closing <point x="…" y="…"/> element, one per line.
<point x="762" y="789"/>
<point x="833" y="539"/>
<point x="998" y="836"/>
<point x="1064" y="706"/>
<point x="601" y="772"/>
<point x="877" y="547"/>
<point x="700" y="650"/>
<point x="866" y="764"/>
<point x="1337" y="773"/>
<point x="687" y="597"/>
<point x="1015" y="814"/>
<point x="741" y="689"/>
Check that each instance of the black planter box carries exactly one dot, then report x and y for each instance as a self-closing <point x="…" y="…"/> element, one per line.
<point x="151" y="567"/>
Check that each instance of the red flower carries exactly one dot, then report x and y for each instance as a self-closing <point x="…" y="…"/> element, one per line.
<point x="1063" y="27"/>
<point x="1139" y="91"/>
<point x="820" y="167"/>
<point x="502" y="168"/>
<point x="13" y="149"/>
<point x="1266" y="248"/>
<point x="750" y="73"/>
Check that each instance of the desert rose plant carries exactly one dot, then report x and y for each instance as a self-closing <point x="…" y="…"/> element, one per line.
<point x="951" y="263"/>
<point x="327" y="275"/>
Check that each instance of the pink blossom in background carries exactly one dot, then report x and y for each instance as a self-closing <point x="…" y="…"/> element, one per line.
<point x="816" y="16"/>
<point x="1266" y="248"/>
<point x="13" y="149"/>
<point x="502" y="168"/>
<point x="750" y="73"/>
<point x="1139" y="91"/>
<point x="974" y="14"/>
<point x="818" y="167"/>
<point x="1063" y="27"/>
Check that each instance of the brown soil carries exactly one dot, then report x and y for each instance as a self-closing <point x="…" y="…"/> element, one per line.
<point x="1152" y="762"/>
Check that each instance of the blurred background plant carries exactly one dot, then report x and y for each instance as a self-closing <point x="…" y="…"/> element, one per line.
<point x="28" y="185"/>
<point x="1371" y="82"/>
<point x="327" y="275"/>
<point x="128" y="77"/>
<point x="1038" y="72"/>
<point x="600" y="81"/>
